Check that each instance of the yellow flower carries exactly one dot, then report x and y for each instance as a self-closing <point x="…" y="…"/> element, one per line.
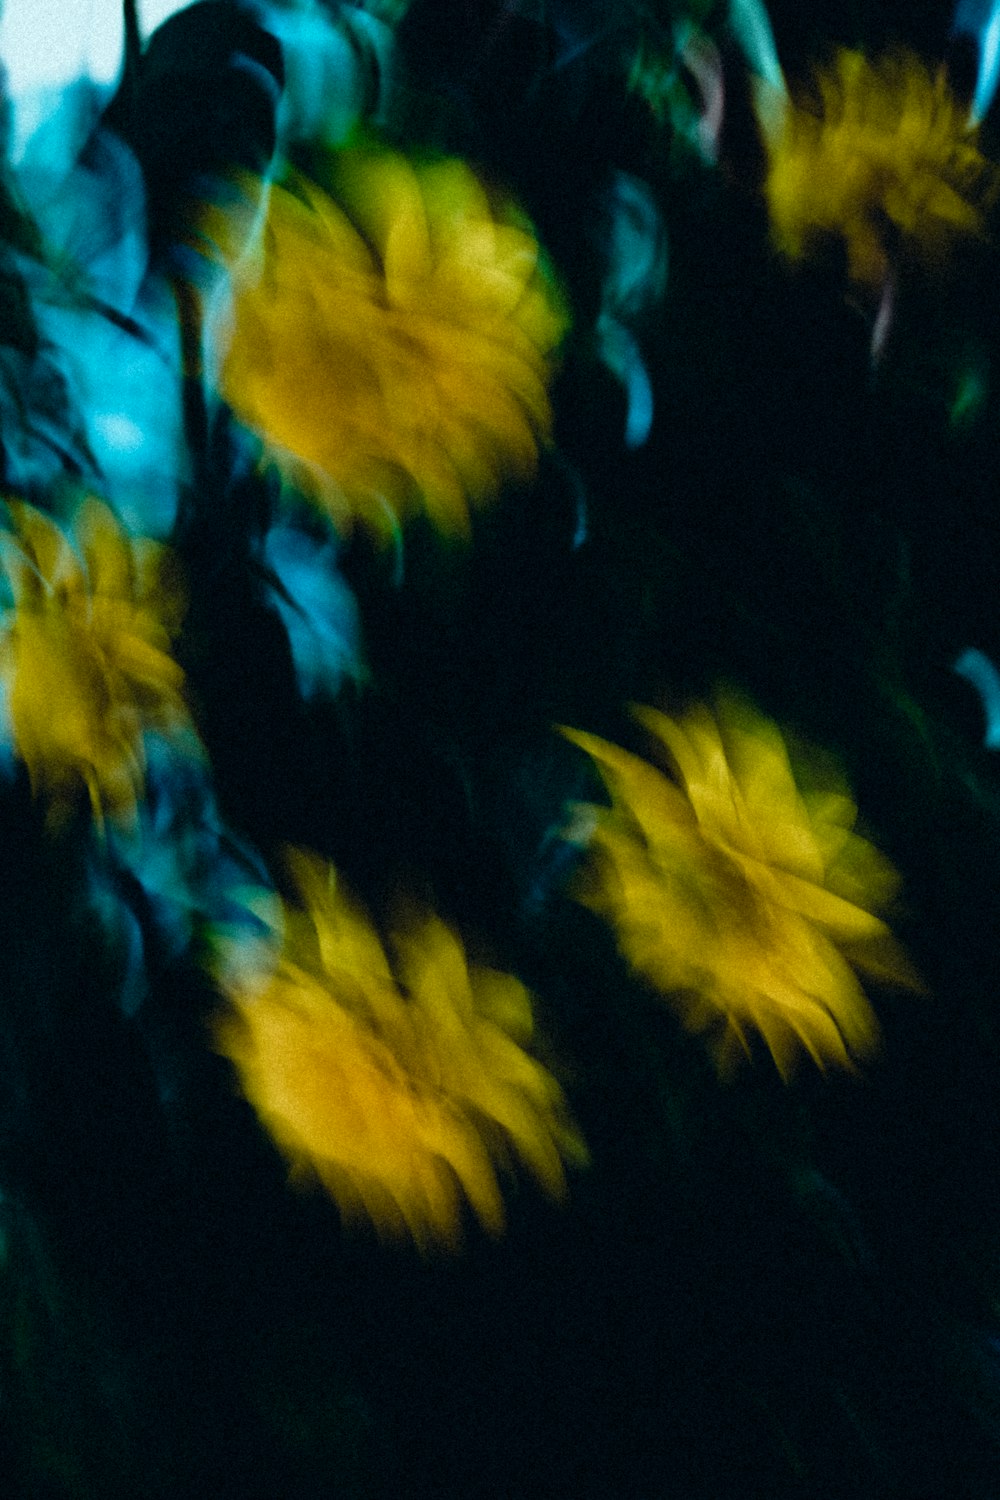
<point x="885" y="150"/>
<point x="394" y="347"/>
<point x="399" y="1087"/>
<point x="84" y="656"/>
<point x="746" y="898"/>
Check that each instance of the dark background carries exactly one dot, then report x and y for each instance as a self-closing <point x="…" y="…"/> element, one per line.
<point x="755" y="1289"/>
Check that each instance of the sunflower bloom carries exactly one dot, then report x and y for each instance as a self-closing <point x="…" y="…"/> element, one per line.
<point x="393" y="347"/>
<point x="885" y="150"/>
<point x="748" y="901"/>
<point x="84" y="656"/>
<point x="399" y="1086"/>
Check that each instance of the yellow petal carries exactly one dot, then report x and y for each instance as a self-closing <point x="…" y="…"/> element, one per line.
<point x="745" y="902"/>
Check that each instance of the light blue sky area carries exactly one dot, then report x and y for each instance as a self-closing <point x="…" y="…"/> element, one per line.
<point x="49" y="42"/>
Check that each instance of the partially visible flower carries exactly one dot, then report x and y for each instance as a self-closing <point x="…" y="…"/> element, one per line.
<point x="745" y="898"/>
<point x="399" y="1086"/>
<point x="884" y="154"/>
<point x="85" y="655"/>
<point x="393" y="347"/>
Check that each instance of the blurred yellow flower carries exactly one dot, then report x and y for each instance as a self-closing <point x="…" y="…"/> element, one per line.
<point x="84" y="655"/>
<point x="885" y="150"/>
<point x="393" y="347"/>
<point x="747" y="899"/>
<point x="399" y="1087"/>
